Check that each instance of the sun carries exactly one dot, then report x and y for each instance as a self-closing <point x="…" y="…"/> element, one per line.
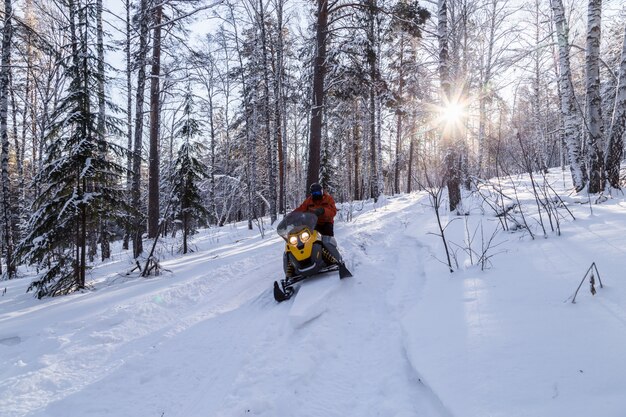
<point x="450" y="115"/>
<point x="453" y="113"/>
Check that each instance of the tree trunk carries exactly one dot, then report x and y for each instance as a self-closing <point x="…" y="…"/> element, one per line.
<point x="87" y="135"/>
<point x="153" y="163"/>
<point x="593" y="99"/>
<point x="396" y="170"/>
<point x="372" y="138"/>
<point x="270" y="143"/>
<point x="618" y="125"/>
<point x="451" y="159"/>
<point x="319" y="71"/>
<point x="105" y="247"/>
<point x="139" y="100"/>
<point x="568" y="100"/>
<point x="129" y="118"/>
<point x="249" y="138"/>
<point x="280" y="142"/>
<point x="484" y="90"/>
<point x="184" y="207"/>
<point x="442" y="36"/>
<point x="19" y="213"/>
<point x="80" y="73"/>
<point x="409" y="177"/>
<point x="83" y="244"/>
<point x="379" y="145"/>
<point x="372" y="59"/>
<point x="538" y="132"/>
<point x="7" y="210"/>
<point x="279" y="112"/>
<point x="356" y="138"/>
<point x="399" y="115"/>
<point x="213" y="160"/>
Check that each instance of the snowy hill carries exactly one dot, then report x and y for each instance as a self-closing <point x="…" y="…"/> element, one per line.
<point x="403" y="337"/>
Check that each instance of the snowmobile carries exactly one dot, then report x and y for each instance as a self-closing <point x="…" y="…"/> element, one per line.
<point x="307" y="253"/>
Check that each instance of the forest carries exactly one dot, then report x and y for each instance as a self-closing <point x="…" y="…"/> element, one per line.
<point x="126" y="120"/>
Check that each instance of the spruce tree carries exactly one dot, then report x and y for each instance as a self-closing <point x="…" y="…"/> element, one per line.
<point x="187" y="172"/>
<point x="75" y="166"/>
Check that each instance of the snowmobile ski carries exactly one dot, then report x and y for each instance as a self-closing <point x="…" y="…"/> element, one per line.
<point x="284" y="290"/>
<point x="280" y="295"/>
<point x="344" y="272"/>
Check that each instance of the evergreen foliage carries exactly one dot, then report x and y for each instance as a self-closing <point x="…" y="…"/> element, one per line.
<point x="68" y="207"/>
<point x="187" y="172"/>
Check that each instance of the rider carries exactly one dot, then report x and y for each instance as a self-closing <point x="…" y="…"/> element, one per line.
<point x="322" y="204"/>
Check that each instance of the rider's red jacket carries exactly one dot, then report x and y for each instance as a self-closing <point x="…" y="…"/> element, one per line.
<point x="326" y="202"/>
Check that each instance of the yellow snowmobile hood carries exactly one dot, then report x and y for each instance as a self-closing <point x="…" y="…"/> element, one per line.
<point x="301" y="250"/>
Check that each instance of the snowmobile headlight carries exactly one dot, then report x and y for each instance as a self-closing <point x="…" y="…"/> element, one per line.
<point x="304" y="236"/>
<point x="293" y="240"/>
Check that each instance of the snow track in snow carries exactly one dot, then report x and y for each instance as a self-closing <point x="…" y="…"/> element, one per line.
<point x="402" y="338"/>
<point x="312" y="298"/>
<point x="346" y="361"/>
<point x="209" y="340"/>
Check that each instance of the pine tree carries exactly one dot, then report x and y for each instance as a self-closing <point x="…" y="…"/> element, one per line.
<point x="143" y="30"/>
<point x="155" y="116"/>
<point x="187" y="172"/>
<point x="66" y="210"/>
<point x="319" y="72"/>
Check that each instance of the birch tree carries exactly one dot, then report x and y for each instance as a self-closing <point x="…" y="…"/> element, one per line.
<point x="569" y="110"/>
<point x="7" y="209"/>
<point x="593" y="100"/>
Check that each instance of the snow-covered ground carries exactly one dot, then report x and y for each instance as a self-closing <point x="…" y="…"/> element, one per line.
<point x="402" y="338"/>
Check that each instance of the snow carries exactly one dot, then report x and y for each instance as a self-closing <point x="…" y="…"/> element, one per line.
<point x="313" y="300"/>
<point x="403" y="337"/>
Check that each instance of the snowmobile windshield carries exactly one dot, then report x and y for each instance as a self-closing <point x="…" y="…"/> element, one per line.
<point x="294" y="222"/>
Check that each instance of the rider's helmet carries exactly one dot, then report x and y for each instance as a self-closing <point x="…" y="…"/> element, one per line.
<point x="316" y="191"/>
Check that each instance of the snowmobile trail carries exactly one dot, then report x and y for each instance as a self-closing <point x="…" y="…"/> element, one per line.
<point x="209" y="340"/>
<point x="312" y="298"/>
<point x="86" y="351"/>
<point x="401" y="338"/>
<point x="350" y="360"/>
